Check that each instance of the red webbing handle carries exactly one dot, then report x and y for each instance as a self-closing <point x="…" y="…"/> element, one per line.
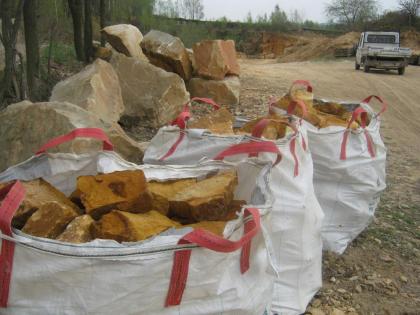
<point x="185" y="115"/>
<point x="297" y="103"/>
<point x="380" y="99"/>
<point x="12" y="196"/>
<point x="304" y="83"/>
<point x="363" y="114"/>
<point x="251" y="148"/>
<point x="94" y="133"/>
<point x="213" y="242"/>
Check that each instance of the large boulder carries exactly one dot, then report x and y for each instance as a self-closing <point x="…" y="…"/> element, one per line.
<point x="126" y="39"/>
<point x="168" y="52"/>
<point x="214" y="59"/>
<point x="151" y="95"/>
<point x="26" y="126"/>
<point x="224" y="91"/>
<point x="96" y="88"/>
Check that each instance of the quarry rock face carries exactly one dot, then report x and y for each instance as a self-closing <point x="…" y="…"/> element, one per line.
<point x="26" y="126"/>
<point x="96" y="88"/>
<point x="126" y="39"/>
<point x="215" y="59"/>
<point x="224" y="92"/>
<point x="151" y="95"/>
<point x="167" y="52"/>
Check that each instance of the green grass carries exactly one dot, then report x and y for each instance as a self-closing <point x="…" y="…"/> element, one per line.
<point x="61" y="53"/>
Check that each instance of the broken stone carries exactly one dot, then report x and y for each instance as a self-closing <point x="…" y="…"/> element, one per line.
<point x="316" y="303"/>
<point x="126" y="39"/>
<point x="150" y="94"/>
<point x="218" y="122"/>
<point x="315" y="311"/>
<point x="208" y="200"/>
<point x="226" y="91"/>
<point x="168" y="52"/>
<point x="22" y="134"/>
<point x="125" y="190"/>
<point x="404" y="279"/>
<point x="276" y="129"/>
<point x="104" y="53"/>
<point x="358" y="288"/>
<point x="78" y="230"/>
<point x="214" y="59"/>
<point x="50" y="220"/>
<point x="215" y="227"/>
<point x="129" y="227"/>
<point x="190" y="53"/>
<point x="96" y="88"/>
<point x="336" y="311"/>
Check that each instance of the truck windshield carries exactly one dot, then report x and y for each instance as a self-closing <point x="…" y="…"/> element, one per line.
<point x="381" y="39"/>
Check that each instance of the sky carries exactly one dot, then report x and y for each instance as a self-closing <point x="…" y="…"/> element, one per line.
<point x="237" y="10"/>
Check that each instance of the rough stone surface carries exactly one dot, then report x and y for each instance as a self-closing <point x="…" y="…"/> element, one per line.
<point x="96" y="88"/>
<point x="126" y="39"/>
<point x="224" y="92"/>
<point x="151" y="95"/>
<point x="168" y="52"/>
<point x="26" y="126"/>
<point x="214" y="59"/>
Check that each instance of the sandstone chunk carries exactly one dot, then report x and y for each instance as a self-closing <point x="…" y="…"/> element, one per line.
<point x="167" y="52"/>
<point x="50" y="220"/>
<point x="214" y="59"/>
<point x="78" y="230"/>
<point x="126" y="190"/>
<point x="225" y="91"/>
<point x="215" y="227"/>
<point x="218" y="122"/>
<point x="150" y="94"/>
<point x="126" y="39"/>
<point x="128" y="227"/>
<point x="38" y="192"/>
<point x="275" y="129"/>
<point x="96" y="88"/>
<point x="208" y="200"/>
<point x="26" y="126"/>
<point x="170" y="188"/>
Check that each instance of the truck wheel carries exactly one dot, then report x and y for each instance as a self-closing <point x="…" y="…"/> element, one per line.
<point x="366" y="69"/>
<point x="401" y="71"/>
<point x="356" y="66"/>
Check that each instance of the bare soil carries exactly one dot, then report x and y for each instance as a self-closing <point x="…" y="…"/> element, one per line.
<point x="380" y="272"/>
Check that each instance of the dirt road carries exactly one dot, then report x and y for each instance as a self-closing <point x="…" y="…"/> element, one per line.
<point x="380" y="273"/>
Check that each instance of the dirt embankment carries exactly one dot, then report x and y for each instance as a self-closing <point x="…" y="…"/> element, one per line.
<point x="310" y="46"/>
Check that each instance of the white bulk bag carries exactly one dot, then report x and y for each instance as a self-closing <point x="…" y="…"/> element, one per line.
<point x="350" y="175"/>
<point x="210" y="274"/>
<point x="349" y="172"/>
<point x="297" y="215"/>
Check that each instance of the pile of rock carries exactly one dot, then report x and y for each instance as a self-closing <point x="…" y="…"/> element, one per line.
<point x="217" y="70"/>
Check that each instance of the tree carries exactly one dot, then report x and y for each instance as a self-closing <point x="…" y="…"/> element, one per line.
<point x="76" y="10"/>
<point x="278" y="17"/>
<point x="192" y="9"/>
<point x="296" y="17"/>
<point x="248" y="18"/>
<point x="88" y="46"/>
<point x="411" y="8"/>
<point x="352" y="12"/>
<point x="11" y="17"/>
<point x="167" y="8"/>
<point x="103" y="19"/>
<point x="31" y="46"/>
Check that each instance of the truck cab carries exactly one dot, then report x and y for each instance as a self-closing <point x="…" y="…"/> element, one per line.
<point x="381" y="50"/>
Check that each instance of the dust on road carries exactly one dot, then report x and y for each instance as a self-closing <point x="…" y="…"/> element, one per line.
<point x="380" y="272"/>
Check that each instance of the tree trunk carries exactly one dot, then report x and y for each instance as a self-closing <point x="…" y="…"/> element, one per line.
<point x="76" y="10"/>
<point x="88" y="31"/>
<point x="9" y="32"/>
<point x="32" y="47"/>
<point x="102" y="18"/>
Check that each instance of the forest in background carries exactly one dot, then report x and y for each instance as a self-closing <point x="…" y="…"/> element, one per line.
<point x="58" y="34"/>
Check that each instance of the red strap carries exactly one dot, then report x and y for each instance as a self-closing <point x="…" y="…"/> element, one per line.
<point x="363" y="117"/>
<point x="12" y="196"/>
<point x="185" y="115"/>
<point x="251" y="148"/>
<point x="213" y="242"/>
<point x="304" y="83"/>
<point x="293" y="151"/>
<point x="292" y="107"/>
<point x="94" y="133"/>
<point x="380" y="99"/>
<point x="173" y="147"/>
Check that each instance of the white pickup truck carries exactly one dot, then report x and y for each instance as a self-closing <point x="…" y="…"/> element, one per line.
<point x="381" y="50"/>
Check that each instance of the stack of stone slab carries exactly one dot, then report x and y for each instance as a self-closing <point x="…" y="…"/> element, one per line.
<point x="217" y="71"/>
